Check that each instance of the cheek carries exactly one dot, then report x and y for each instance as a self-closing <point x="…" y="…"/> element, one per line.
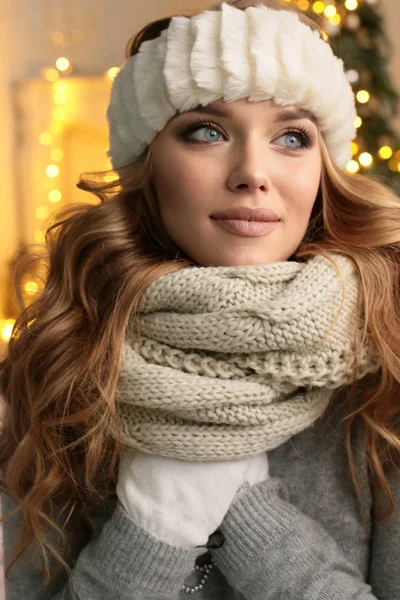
<point x="180" y="182"/>
<point x="302" y="186"/>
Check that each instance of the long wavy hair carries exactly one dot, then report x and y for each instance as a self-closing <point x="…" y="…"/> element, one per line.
<point x="59" y="439"/>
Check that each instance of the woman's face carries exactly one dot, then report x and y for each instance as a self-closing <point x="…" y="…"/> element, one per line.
<point x="233" y="155"/>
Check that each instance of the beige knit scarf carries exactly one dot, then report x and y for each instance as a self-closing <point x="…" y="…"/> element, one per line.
<point x="230" y="361"/>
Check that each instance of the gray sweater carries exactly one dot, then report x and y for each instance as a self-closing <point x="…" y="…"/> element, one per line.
<point x="298" y="536"/>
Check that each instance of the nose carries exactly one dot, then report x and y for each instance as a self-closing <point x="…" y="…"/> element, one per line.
<point x="250" y="171"/>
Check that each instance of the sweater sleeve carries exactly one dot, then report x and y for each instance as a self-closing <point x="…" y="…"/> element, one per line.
<point x="121" y="562"/>
<point x="384" y="572"/>
<point x="272" y="551"/>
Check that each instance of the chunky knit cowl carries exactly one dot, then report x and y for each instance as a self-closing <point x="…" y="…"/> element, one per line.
<point x="228" y="361"/>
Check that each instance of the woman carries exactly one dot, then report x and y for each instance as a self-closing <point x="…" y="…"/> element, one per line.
<point x="210" y="375"/>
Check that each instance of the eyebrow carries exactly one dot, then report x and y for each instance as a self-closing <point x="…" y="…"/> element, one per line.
<point x="285" y="115"/>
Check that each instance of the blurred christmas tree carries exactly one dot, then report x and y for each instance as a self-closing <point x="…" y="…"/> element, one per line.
<point x="356" y="31"/>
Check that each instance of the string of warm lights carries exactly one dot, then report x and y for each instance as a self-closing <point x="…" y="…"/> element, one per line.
<point x="57" y="76"/>
<point x="50" y="140"/>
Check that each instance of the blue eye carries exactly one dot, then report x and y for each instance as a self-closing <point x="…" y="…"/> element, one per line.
<point x="301" y="135"/>
<point x="212" y="131"/>
<point x="214" y="134"/>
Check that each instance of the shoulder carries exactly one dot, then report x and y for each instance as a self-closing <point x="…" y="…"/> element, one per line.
<point x="325" y="441"/>
<point x="315" y="464"/>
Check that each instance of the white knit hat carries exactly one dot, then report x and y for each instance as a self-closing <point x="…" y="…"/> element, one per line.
<point x="257" y="53"/>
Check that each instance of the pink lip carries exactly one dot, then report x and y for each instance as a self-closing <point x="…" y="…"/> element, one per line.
<point x="247" y="222"/>
<point x="246" y="213"/>
<point x="247" y="228"/>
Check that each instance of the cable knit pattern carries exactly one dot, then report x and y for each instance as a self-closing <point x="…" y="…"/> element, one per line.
<point x="228" y="361"/>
